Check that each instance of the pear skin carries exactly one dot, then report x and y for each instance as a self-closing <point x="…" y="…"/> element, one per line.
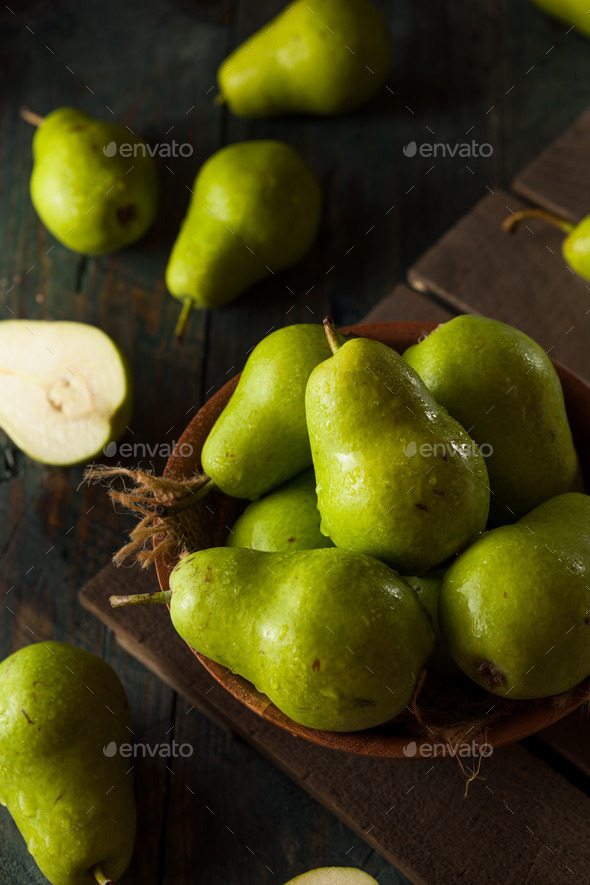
<point x="324" y="58"/>
<point x="336" y="640"/>
<point x="502" y="387"/>
<point x="515" y="607"/>
<point x="397" y="477"/>
<point x="574" y="12"/>
<point x="92" y="198"/>
<point x="255" y="210"/>
<point x="61" y="708"/>
<point x="427" y="588"/>
<point x="260" y="439"/>
<point x="333" y="876"/>
<point x="285" y="519"/>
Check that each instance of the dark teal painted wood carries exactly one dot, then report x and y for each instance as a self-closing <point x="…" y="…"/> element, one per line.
<point x="460" y="72"/>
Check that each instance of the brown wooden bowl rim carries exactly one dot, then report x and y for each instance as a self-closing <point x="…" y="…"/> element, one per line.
<point x="371" y="742"/>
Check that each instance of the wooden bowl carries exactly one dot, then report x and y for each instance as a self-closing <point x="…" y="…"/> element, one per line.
<point x="403" y="737"/>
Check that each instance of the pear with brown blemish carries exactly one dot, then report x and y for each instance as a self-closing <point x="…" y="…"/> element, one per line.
<point x="94" y="184"/>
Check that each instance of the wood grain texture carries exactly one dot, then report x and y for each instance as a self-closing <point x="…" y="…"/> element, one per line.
<point x="520" y="279"/>
<point x="413" y="812"/>
<point x="559" y="178"/>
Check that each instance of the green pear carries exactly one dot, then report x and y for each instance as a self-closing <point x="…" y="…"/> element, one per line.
<point x="62" y="710"/>
<point x="576" y="246"/>
<point x="65" y="389"/>
<point x="336" y="640"/>
<point x="515" y="607"/>
<point x="260" y="439"/>
<point x="255" y="210"/>
<point x="285" y="519"/>
<point x="397" y="477"/>
<point x="502" y="387"/>
<point x="321" y="57"/>
<point x="574" y="12"/>
<point x="333" y="876"/>
<point x="94" y="184"/>
<point x="427" y="588"/>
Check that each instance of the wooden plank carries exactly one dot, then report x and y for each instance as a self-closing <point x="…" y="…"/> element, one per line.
<point x="407" y="304"/>
<point x="521" y="279"/>
<point x="559" y="178"/>
<point x="394" y="805"/>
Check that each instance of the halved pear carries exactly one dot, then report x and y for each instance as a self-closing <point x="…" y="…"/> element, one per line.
<point x="334" y="876"/>
<point x="65" y="389"/>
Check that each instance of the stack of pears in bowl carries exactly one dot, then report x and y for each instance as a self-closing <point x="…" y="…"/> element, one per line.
<point x="382" y="537"/>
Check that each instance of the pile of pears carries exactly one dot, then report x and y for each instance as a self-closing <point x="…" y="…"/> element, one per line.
<point x="379" y="540"/>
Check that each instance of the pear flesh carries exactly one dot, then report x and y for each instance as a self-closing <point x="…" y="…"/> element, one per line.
<point x="515" y="607"/>
<point x="64" y="389"/>
<point x="70" y="796"/>
<point x="94" y="184"/>
<point x="336" y="640"/>
<point x="333" y="876"/>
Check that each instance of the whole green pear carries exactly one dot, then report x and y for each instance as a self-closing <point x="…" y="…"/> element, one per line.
<point x="94" y="184"/>
<point x="515" y="607"/>
<point x="255" y="210"/>
<point x="333" y="876"/>
<point x="336" y="640"/>
<point x="427" y="588"/>
<point x="575" y="12"/>
<point x="397" y="477"/>
<point x="576" y="245"/>
<point x="61" y="711"/>
<point x="285" y="519"/>
<point x="321" y="57"/>
<point x="260" y="439"/>
<point x="502" y="387"/>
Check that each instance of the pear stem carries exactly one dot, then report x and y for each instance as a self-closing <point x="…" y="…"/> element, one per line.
<point x="187" y="306"/>
<point x="219" y="100"/>
<point x="161" y="598"/>
<point x="162" y="510"/>
<point x="35" y="120"/>
<point x="332" y="335"/>
<point x="511" y="223"/>
<point x="100" y="877"/>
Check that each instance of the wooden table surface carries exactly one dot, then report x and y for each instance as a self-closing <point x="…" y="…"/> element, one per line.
<point x="496" y="72"/>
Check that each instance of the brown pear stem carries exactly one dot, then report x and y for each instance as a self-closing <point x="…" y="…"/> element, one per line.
<point x="511" y="223"/>
<point x="162" y="510"/>
<point x="219" y="100"/>
<point x="161" y="598"/>
<point x="332" y="335"/>
<point x="31" y="117"/>
<point x="100" y="877"/>
<point x="187" y="306"/>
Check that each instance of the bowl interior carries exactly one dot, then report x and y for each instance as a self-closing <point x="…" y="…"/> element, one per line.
<point x="511" y="721"/>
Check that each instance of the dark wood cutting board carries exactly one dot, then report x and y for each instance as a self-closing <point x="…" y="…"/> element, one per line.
<point x="525" y="815"/>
